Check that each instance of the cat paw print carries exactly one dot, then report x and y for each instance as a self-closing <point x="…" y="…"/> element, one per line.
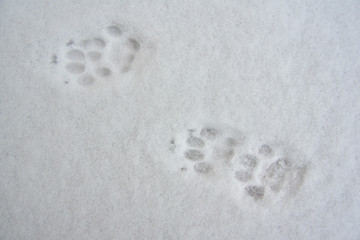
<point x="206" y="148"/>
<point x="123" y="49"/>
<point x="193" y="147"/>
<point x="196" y="151"/>
<point x="243" y="168"/>
<point x="276" y="173"/>
<point x="99" y="59"/>
<point x="283" y="176"/>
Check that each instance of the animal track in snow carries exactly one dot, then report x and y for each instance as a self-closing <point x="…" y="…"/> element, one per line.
<point x="206" y="148"/>
<point x="276" y="172"/>
<point x="96" y="60"/>
<point x="262" y="170"/>
<point x="195" y="142"/>
<point x="202" y="167"/>
<point x="194" y="155"/>
<point x="265" y="150"/>
<point x="75" y="55"/>
<point x="243" y="175"/>
<point x="75" y="68"/>
<point x="114" y="31"/>
<point x="257" y="192"/>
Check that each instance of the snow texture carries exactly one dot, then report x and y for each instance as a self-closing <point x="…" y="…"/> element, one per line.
<point x="179" y="119"/>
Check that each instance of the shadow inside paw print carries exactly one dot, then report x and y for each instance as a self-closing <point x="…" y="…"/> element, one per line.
<point x="202" y="167"/>
<point x="194" y="155"/>
<point x="265" y="150"/>
<point x="195" y="142"/>
<point x="257" y="192"/>
<point x="243" y="175"/>
<point x="209" y="133"/>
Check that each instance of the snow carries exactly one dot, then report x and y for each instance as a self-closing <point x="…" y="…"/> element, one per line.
<point x="179" y="120"/>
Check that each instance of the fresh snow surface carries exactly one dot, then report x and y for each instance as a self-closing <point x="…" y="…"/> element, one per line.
<point x="180" y="119"/>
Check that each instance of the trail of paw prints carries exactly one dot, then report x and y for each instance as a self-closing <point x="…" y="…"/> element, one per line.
<point x="263" y="171"/>
<point x="99" y="59"/>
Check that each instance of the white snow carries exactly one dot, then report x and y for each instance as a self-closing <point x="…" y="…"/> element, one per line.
<point x="98" y="100"/>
